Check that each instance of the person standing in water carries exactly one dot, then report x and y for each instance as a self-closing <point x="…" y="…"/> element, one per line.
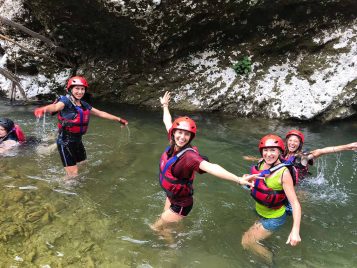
<point x="271" y="195"/>
<point x="11" y="135"/>
<point x="294" y="141"/>
<point x="178" y="165"/>
<point x="73" y="120"/>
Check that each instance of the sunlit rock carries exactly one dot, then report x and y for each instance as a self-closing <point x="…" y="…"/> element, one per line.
<point x="303" y="53"/>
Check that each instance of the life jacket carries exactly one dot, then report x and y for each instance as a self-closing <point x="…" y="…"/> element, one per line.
<point x="19" y="134"/>
<point x="79" y="123"/>
<point x="266" y="196"/>
<point x="175" y="187"/>
<point x="302" y="170"/>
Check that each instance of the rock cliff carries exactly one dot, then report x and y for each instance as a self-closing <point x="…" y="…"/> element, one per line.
<point x="303" y="53"/>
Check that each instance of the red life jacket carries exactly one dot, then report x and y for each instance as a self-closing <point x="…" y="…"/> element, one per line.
<point x="19" y="134"/>
<point x="77" y="125"/>
<point x="267" y="196"/>
<point x="175" y="187"/>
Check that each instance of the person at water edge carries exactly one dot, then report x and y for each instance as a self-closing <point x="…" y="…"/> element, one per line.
<point x="11" y="135"/>
<point x="270" y="195"/>
<point x="73" y="119"/>
<point x="178" y="165"/>
<point x="294" y="141"/>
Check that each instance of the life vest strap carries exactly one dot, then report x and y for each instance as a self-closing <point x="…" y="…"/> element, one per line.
<point x="175" y="158"/>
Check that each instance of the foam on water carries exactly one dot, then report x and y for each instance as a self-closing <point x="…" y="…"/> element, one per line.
<point x="28" y="187"/>
<point x="64" y="192"/>
<point x="135" y="241"/>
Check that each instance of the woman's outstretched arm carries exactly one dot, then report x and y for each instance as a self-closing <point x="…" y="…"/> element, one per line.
<point x="332" y="149"/>
<point x="165" y="100"/>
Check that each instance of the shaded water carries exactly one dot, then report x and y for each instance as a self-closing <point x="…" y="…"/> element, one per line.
<point x="103" y="221"/>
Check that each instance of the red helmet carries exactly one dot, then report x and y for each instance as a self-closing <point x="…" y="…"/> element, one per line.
<point x="184" y="123"/>
<point x="296" y="133"/>
<point x="76" y="81"/>
<point x="271" y="141"/>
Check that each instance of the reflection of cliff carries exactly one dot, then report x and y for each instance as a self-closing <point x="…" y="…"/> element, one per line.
<point x="303" y="53"/>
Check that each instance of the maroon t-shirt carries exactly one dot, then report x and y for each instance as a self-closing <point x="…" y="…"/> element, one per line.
<point x="183" y="168"/>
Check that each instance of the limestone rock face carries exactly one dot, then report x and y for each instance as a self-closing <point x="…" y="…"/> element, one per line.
<point x="303" y="53"/>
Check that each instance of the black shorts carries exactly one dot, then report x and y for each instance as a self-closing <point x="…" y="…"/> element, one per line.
<point x="71" y="153"/>
<point x="183" y="211"/>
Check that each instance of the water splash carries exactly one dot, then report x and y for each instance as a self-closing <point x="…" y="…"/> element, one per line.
<point x="354" y="166"/>
<point x="325" y="187"/>
<point x="124" y="137"/>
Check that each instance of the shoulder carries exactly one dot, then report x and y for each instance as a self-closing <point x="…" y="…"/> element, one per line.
<point x="86" y="105"/>
<point x="192" y="153"/>
<point x="286" y="175"/>
<point x="192" y="157"/>
<point x="65" y="101"/>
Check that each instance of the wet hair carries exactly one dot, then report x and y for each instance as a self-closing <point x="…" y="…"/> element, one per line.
<point x="7" y="123"/>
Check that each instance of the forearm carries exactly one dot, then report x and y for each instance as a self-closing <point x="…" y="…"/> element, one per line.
<point x="296" y="216"/>
<point x="51" y="108"/>
<point x="332" y="149"/>
<point x="108" y="116"/>
<point x="346" y="147"/>
<point x="218" y="171"/>
<point x="167" y="119"/>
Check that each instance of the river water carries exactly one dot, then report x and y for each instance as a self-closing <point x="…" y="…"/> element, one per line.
<point x="103" y="221"/>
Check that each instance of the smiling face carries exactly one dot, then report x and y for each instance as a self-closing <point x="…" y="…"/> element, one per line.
<point x="182" y="137"/>
<point x="3" y="132"/>
<point x="293" y="143"/>
<point x="78" y="91"/>
<point x="270" y="155"/>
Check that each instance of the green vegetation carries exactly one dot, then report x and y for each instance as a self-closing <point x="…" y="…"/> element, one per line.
<point x="243" y="66"/>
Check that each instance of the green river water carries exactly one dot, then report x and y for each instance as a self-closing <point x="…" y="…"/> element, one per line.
<point x="103" y="221"/>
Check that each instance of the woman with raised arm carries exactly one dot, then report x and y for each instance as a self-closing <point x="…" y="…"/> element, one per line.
<point x="73" y="120"/>
<point x="178" y="165"/>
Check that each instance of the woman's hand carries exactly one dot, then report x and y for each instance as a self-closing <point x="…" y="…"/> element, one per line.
<point x="248" y="179"/>
<point x="165" y="99"/>
<point x="39" y="112"/>
<point x="353" y="146"/>
<point x="251" y="158"/>
<point x="294" y="238"/>
<point x="123" y="121"/>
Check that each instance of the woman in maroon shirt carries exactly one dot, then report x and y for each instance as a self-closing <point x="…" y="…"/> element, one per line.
<point x="178" y="164"/>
